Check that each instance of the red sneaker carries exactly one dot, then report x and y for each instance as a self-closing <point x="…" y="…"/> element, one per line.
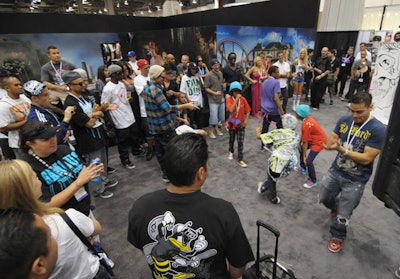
<point x="335" y="245"/>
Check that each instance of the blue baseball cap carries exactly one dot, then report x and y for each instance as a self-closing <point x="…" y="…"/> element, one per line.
<point x="131" y="53"/>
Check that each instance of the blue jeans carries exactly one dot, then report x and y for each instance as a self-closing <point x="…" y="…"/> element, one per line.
<point x="310" y="164"/>
<point x="217" y="113"/>
<point x="102" y="273"/>
<point x="343" y="196"/>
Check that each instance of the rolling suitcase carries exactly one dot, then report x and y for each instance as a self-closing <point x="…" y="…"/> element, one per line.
<point x="267" y="267"/>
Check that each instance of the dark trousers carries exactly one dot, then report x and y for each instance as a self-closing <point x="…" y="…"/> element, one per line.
<point x="239" y="132"/>
<point x="267" y="119"/>
<point x="317" y="92"/>
<point x="284" y="97"/>
<point x="342" y="79"/>
<point x="270" y="184"/>
<point x="161" y="141"/>
<point x="355" y="86"/>
<point x="6" y="150"/>
<point x="128" y="140"/>
<point x="309" y="164"/>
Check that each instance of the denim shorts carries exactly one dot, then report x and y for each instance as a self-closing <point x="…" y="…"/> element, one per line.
<point x="217" y="113"/>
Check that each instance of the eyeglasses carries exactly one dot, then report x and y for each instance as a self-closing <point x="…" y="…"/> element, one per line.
<point x="79" y="83"/>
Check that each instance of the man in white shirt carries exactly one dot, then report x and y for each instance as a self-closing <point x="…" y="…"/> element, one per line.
<point x="363" y="47"/>
<point x="132" y="60"/>
<point x="140" y="83"/>
<point x="125" y="123"/>
<point x="284" y="73"/>
<point x="14" y="109"/>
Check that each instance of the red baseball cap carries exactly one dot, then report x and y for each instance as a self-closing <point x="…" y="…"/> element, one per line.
<point x="142" y="62"/>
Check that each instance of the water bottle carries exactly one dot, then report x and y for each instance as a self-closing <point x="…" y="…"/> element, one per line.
<point x="97" y="178"/>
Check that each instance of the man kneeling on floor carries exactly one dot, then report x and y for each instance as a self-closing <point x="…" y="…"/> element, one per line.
<point x="183" y="232"/>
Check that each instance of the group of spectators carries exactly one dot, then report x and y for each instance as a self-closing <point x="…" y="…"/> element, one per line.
<point x="59" y="133"/>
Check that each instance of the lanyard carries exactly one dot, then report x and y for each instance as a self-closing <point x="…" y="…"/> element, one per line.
<point x="58" y="72"/>
<point x="86" y="106"/>
<point x="350" y="141"/>
<point x="237" y="107"/>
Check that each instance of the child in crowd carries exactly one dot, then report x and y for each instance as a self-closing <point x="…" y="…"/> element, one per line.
<point x="283" y="159"/>
<point x="313" y="138"/>
<point x="182" y="117"/>
<point x="239" y="113"/>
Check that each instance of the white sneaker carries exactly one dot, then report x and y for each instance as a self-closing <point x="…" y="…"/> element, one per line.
<point x="212" y="135"/>
<point x="230" y="156"/>
<point x="260" y="188"/>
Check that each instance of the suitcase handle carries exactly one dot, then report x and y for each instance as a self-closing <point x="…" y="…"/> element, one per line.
<point x="277" y="234"/>
<point x="268" y="227"/>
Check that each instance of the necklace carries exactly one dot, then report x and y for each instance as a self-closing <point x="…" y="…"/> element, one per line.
<point x="30" y="152"/>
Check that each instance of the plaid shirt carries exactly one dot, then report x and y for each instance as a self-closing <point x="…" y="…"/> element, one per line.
<point x="158" y="110"/>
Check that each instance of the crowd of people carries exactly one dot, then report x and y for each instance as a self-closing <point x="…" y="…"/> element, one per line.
<point x="56" y="134"/>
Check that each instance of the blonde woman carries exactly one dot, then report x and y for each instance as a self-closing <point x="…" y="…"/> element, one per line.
<point x="256" y="75"/>
<point x="21" y="188"/>
<point x="301" y="66"/>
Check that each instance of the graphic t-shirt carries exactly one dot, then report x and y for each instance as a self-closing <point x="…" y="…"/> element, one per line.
<point x="313" y="134"/>
<point x="236" y="117"/>
<point x="11" y="111"/>
<point x="188" y="235"/>
<point x="54" y="181"/>
<point x="371" y="134"/>
<point x="191" y="86"/>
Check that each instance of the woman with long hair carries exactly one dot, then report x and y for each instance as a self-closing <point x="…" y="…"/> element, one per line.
<point x="256" y="75"/>
<point x="301" y="66"/>
<point x="21" y="188"/>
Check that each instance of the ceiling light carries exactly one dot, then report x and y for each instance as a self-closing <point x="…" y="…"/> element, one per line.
<point x="180" y="4"/>
<point x="117" y="4"/>
<point x="158" y="8"/>
<point x="85" y="2"/>
<point x="149" y="10"/>
<point x="126" y="3"/>
<point x="141" y="12"/>
<point x="105" y="10"/>
<point x="100" y="11"/>
<point x="194" y="1"/>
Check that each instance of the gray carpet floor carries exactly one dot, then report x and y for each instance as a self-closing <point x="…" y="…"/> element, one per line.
<point x="371" y="249"/>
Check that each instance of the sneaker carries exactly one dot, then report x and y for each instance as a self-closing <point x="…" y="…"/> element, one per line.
<point x="111" y="184"/>
<point x="212" y="135"/>
<point x="219" y="133"/>
<point x="261" y="188"/>
<point x="242" y="163"/>
<point x="165" y="178"/>
<point x="128" y="164"/>
<point x="344" y="99"/>
<point x="110" y="170"/>
<point x="310" y="184"/>
<point x="230" y="156"/>
<point x="300" y="170"/>
<point x="397" y="273"/>
<point x="315" y="108"/>
<point x="105" y="195"/>
<point x="335" y="245"/>
<point x="276" y="200"/>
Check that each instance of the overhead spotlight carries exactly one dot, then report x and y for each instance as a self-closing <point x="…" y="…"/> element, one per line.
<point x="141" y="12"/>
<point x="100" y="11"/>
<point x="126" y="3"/>
<point x="180" y="4"/>
<point x="85" y="2"/>
<point x="105" y="10"/>
<point x="149" y="10"/>
<point x="158" y="8"/>
<point x="194" y="1"/>
<point x="133" y="14"/>
<point x="117" y="4"/>
<point x="74" y="5"/>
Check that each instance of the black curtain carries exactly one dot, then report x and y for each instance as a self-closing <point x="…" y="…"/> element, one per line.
<point x="335" y="40"/>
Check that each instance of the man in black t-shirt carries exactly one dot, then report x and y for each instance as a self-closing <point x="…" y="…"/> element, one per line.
<point x="183" y="232"/>
<point x="321" y="69"/>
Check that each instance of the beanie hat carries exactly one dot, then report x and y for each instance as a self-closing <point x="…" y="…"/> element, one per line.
<point x="289" y="121"/>
<point x="214" y="61"/>
<point x="69" y="76"/>
<point x="81" y="72"/>
<point x="114" y="69"/>
<point x="155" y="71"/>
<point x="303" y="110"/>
<point x="142" y="62"/>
